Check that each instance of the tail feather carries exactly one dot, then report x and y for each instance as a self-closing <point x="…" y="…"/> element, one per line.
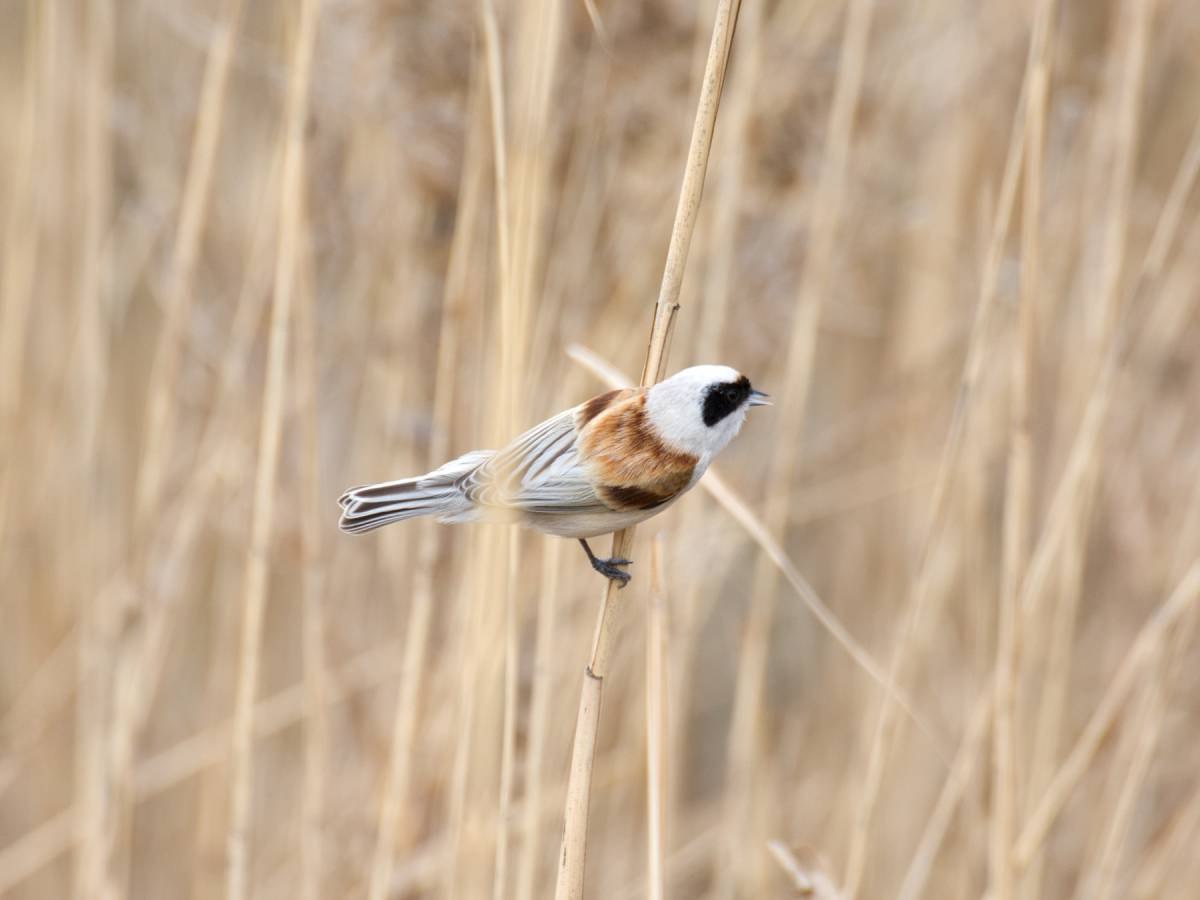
<point x="371" y="506"/>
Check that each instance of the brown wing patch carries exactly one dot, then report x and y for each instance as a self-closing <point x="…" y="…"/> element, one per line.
<point x="597" y="405"/>
<point x="627" y="499"/>
<point x="630" y="467"/>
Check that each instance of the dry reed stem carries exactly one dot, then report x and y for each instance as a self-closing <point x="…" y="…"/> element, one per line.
<point x="579" y="781"/>
<point x="1054" y="686"/>
<point x="793" y="404"/>
<point x="685" y="650"/>
<point x="139" y="668"/>
<point x="539" y="704"/>
<point x="741" y="512"/>
<point x="205" y="749"/>
<point x="807" y="876"/>
<point x="1172" y="212"/>
<point x="1145" y="732"/>
<point x="21" y="242"/>
<point x="1112" y="267"/>
<point x="917" y="613"/>
<point x="1104" y="327"/>
<point x="1145" y="649"/>
<point x="530" y="161"/>
<point x="1019" y="485"/>
<point x="511" y="343"/>
<point x="395" y="824"/>
<point x="1120" y="185"/>
<point x="313" y="626"/>
<point x="465" y="700"/>
<point x="94" y="871"/>
<point x="193" y="211"/>
<point x="1160" y="865"/>
<point x="1167" y="672"/>
<point x="367" y="169"/>
<point x="508" y="750"/>
<point x="188" y="757"/>
<point x="718" y="282"/>
<point x="691" y="191"/>
<point x="687" y="862"/>
<point x="139" y="664"/>
<point x="936" y="826"/>
<point x="756" y="529"/>
<point x="533" y="162"/>
<point x="194" y="754"/>
<point x="656" y="726"/>
<point x="37" y="848"/>
<point x="254" y="598"/>
<point x="46" y="692"/>
<point x="1068" y="510"/>
<point x="495" y="81"/>
<point x="598" y="25"/>
<point x="1070" y="506"/>
<point x="1101" y="878"/>
<point x="569" y="885"/>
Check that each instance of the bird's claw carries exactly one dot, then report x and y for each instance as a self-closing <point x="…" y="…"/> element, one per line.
<point x="609" y="569"/>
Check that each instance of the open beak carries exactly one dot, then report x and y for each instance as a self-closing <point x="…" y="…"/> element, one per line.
<point x="758" y="398"/>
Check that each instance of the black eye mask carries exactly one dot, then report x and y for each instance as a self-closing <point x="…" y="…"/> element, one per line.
<point x="723" y="398"/>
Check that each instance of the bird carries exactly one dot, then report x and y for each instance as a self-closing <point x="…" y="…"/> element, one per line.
<point x="599" y="467"/>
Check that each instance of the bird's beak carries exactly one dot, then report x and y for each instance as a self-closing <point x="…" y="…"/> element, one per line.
<point x="758" y="398"/>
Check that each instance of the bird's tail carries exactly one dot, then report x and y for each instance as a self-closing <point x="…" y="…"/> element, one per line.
<point x="436" y="494"/>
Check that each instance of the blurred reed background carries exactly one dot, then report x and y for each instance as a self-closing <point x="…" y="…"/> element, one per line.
<point x="256" y="252"/>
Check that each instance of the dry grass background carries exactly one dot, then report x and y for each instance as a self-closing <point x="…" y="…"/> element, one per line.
<point x="251" y="256"/>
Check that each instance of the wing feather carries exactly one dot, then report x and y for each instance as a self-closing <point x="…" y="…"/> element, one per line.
<point x="621" y="465"/>
<point x="539" y="472"/>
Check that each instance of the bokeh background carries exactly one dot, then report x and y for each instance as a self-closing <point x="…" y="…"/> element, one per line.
<point x="252" y="254"/>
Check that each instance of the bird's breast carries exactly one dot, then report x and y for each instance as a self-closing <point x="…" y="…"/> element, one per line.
<point x="629" y="465"/>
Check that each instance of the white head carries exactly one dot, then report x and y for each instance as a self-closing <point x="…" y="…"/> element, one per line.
<point x="699" y="410"/>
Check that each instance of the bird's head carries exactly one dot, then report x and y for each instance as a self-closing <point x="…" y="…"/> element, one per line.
<point x="699" y="410"/>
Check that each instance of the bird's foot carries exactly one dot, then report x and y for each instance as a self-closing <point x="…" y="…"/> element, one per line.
<point x="609" y="568"/>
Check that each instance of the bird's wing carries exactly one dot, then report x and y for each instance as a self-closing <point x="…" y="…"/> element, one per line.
<point x="540" y="471"/>
<point x="543" y="470"/>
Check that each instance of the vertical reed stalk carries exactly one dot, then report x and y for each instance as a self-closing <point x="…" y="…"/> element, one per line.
<point x="938" y="822"/>
<point x="94" y="875"/>
<point x="718" y="283"/>
<point x="316" y="680"/>
<point x="656" y="727"/>
<point x="255" y="585"/>
<point x="1168" y="857"/>
<point x="22" y="232"/>
<point x="1019" y="487"/>
<point x="739" y="870"/>
<point x="156" y="558"/>
<point x="464" y="733"/>
<point x="193" y="211"/>
<point x="1102" y="875"/>
<point x="511" y="343"/>
<point x="1146" y="648"/>
<point x="531" y="810"/>
<point x="395" y="824"/>
<point x="921" y="587"/>
<point x="508" y="751"/>
<point x="756" y="530"/>
<point x="531" y="154"/>
<point x="569" y="885"/>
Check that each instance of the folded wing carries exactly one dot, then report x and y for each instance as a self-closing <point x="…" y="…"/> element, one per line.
<point x="542" y="471"/>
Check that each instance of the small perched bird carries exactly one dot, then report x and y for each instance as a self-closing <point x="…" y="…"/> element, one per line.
<point x="604" y="465"/>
